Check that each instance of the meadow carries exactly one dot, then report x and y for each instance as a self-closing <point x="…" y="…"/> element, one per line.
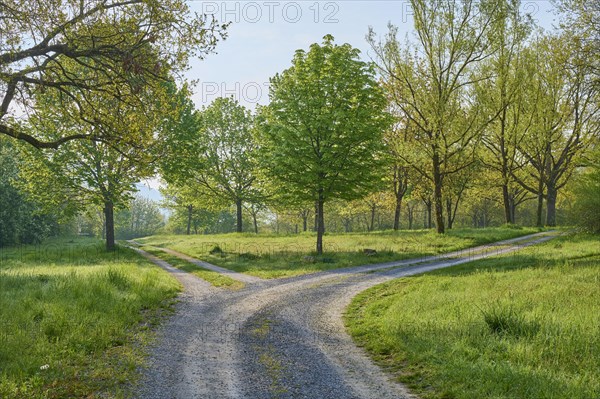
<point x="524" y="325"/>
<point x="214" y="278"/>
<point x="75" y="319"/>
<point x="275" y="256"/>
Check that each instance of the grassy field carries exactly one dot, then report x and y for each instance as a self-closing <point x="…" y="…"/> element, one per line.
<point x="520" y="326"/>
<point x="273" y="256"/>
<point x="74" y="318"/>
<point x="216" y="279"/>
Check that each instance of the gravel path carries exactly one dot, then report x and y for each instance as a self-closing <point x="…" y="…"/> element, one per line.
<point x="281" y="338"/>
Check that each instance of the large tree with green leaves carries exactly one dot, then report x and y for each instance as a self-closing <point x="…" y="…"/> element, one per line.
<point x="431" y="85"/>
<point x="323" y="130"/>
<point x="125" y="45"/>
<point x="90" y="172"/>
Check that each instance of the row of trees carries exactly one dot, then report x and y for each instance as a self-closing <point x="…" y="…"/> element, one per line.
<point x="483" y="100"/>
<point x="481" y="103"/>
<point x="28" y="217"/>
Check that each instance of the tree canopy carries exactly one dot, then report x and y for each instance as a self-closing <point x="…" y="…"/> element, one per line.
<point x="324" y="126"/>
<point x="123" y="46"/>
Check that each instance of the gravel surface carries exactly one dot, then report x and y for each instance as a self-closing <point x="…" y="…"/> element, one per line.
<point x="280" y="338"/>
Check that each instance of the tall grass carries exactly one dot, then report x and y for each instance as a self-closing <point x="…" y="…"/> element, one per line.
<point x="272" y="256"/>
<point x="73" y="318"/>
<point x="521" y="326"/>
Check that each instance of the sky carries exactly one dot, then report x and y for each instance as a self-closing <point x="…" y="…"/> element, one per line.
<point x="264" y="35"/>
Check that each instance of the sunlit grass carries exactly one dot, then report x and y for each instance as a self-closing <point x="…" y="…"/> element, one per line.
<point x="74" y="318"/>
<point x="519" y="326"/>
<point x="216" y="279"/>
<point x="273" y="256"/>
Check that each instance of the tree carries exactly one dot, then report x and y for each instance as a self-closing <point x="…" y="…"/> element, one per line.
<point x="431" y="85"/>
<point x="125" y="45"/>
<point x="503" y="95"/>
<point x="564" y="118"/>
<point x="580" y="19"/>
<point x="323" y="128"/>
<point x="397" y="144"/>
<point x="223" y="159"/>
<point x="95" y="172"/>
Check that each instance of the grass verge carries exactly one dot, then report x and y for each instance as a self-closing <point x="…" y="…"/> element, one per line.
<point x="274" y="256"/>
<point x="216" y="279"/>
<point x="524" y="325"/>
<point x="75" y="318"/>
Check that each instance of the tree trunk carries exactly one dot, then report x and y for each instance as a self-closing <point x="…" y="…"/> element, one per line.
<point x="428" y="214"/>
<point x="320" y="224"/>
<point x="397" y="212"/>
<point x="103" y="216"/>
<point x="317" y="216"/>
<point x="437" y="196"/>
<point x="109" y="217"/>
<point x="238" y="206"/>
<point x="373" y="211"/>
<point x="551" y="206"/>
<point x="513" y="210"/>
<point x="190" y="209"/>
<point x="255" y="222"/>
<point x="304" y="223"/>
<point x="449" y="213"/>
<point x="540" y="207"/>
<point x="410" y="216"/>
<point x="508" y="215"/>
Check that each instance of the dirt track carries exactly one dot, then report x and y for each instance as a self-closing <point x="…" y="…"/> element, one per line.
<point x="281" y="338"/>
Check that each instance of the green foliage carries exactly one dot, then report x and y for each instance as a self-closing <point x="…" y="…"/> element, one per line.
<point x="81" y="311"/>
<point x="323" y="128"/>
<point x="518" y="326"/>
<point x="586" y="209"/>
<point x="430" y="86"/>
<point x="141" y="218"/>
<point x="215" y="157"/>
<point x="22" y="219"/>
<point x="89" y="172"/>
<point x="126" y="48"/>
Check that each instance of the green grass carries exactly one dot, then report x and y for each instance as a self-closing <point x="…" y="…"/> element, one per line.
<point x="216" y="279"/>
<point x="520" y="326"/>
<point x="274" y="256"/>
<point x="75" y="318"/>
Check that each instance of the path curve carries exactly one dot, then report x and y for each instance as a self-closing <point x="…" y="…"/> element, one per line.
<point x="282" y="338"/>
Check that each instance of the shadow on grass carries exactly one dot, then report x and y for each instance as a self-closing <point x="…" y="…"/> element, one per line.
<point x="79" y="252"/>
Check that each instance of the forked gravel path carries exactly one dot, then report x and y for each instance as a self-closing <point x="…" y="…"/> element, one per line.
<point x="280" y="338"/>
